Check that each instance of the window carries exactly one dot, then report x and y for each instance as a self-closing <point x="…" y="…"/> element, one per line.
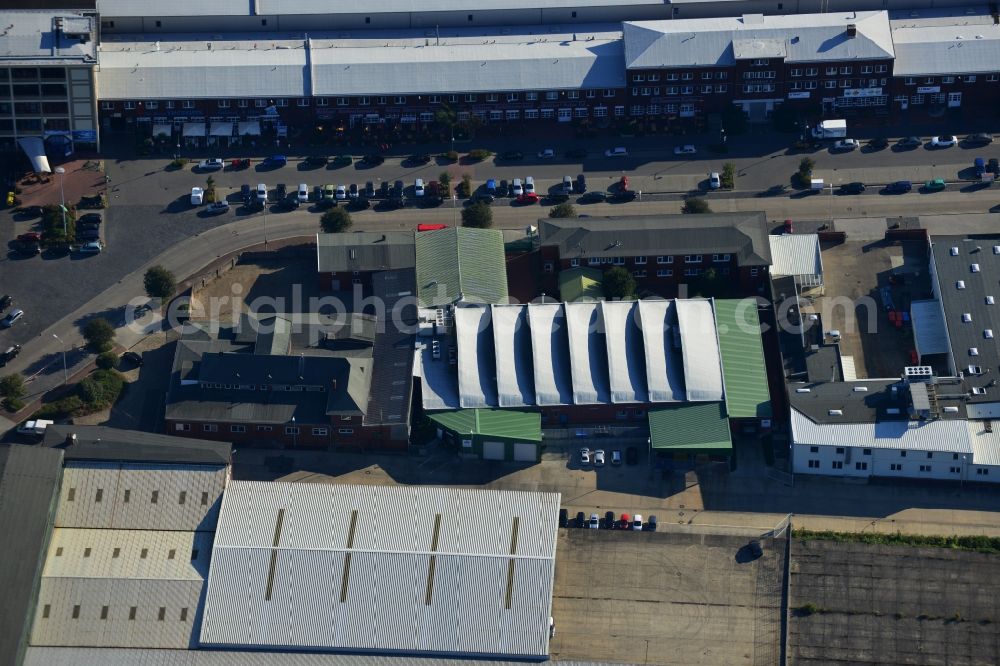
<point x="237" y="428"/>
<point x="970" y="78"/>
<point x="153" y="105"/>
<point x="345" y="431"/>
<point x="880" y="69"/>
<point x="992" y="77"/>
<point x="638" y="78"/>
<point x="796" y="72"/>
<point x="837" y="464"/>
<point x="531" y="96"/>
<point x="654" y="77"/>
<point x="128" y="494"/>
<point x="665" y="260"/>
<point x="162" y="614"/>
<point x="706" y="89"/>
<point x="692" y="258"/>
<point x="707" y="76"/>
<point x="184" y="614"/>
<point x="320" y="432"/>
<point x="182" y="427"/>
<point x="687" y="76"/>
<point x="902" y="454"/>
<point x="840" y="450"/>
<point x="260" y="103"/>
<point x="916" y="99"/>
<point x="910" y="81"/>
<point x="619" y="112"/>
<point x="672" y="90"/>
<point x="664" y="272"/>
<point x="639" y="274"/>
<point x="512" y="97"/>
<point x="930" y="454"/>
<point x="813" y="449"/>
<point x="210" y="427"/>
<point x="813" y="464"/>
<point x="492" y="97"/>
<point x="76" y="612"/>
<point x="144" y="553"/>
<point x="104" y="612"/>
<point x="721" y="87"/>
<point x="107" y="106"/>
<point x="692" y="272"/>
<point x="721" y="257"/>
<point x="574" y="263"/>
<point x="86" y="552"/>
<point x="846" y="70"/>
<point x="759" y="62"/>
<point x="639" y="260"/>
<point x="172" y="553"/>
<point x="99" y="494"/>
<point x="264" y="428"/>
<point x="796" y="85"/>
<point x="364" y="101"/>
<point x="754" y="271"/>
<point x="204" y="499"/>
<point x="860" y="466"/>
<point x="865" y="69"/>
<point x="845" y="83"/>
<point x="182" y="497"/>
<point x="831" y="71"/>
<point x="291" y="430"/>
<point x="982" y="471"/>
<point x="470" y="98"/>
<point x="131" y="612"/>
<point x="829" y="84"/>
<point x="609" y="93"/>
<point x="573" y="94"/>
<point x="154" y="497"/>
<point x="812" y="71"/>
<point x="925" y="468"/>
<point x="954" y="470"/>
<point x="947" y="79"/>
<point x="895" y="467"/>
<point x="550" y="95"/>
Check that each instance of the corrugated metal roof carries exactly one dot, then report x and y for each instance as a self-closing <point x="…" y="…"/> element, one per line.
<point x="418" y="563"/>
<point x="985" y="443"/>
<point x="511" y="424"/>
<point x="950" y="436"/>
<point x="747" y="394"/>
<point x="577" y="284"/>
<point x="661" y="343"/>
<point x="720" y="42"/>
<point x="136" y="496"/>
<point x="795" y="254"/>
<point x="477" y="372"/>
<point x="29" y="484"/>
<point x="460" y="263"/>
<point x="698" y="428"/>
<point x="930" y="334"/>
<point x="700" y="350"/>
<point x="626" y="357"/>
<point x="964" y="45"/>
<point x="364" y="251"/>
<point x="132" y="554"/>
<point x="512" y="343"/>
<point x="550" y="354"/>
<point x="588" y="353"/>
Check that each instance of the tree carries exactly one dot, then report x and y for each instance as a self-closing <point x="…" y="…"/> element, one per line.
<point x="465" y="187"/>
<point x="335" y="221"/>
<point x="444" y="183"/>
<point x="562" y="210"/>
<point x="696" y="205"/>
<point x="728" y="177"/>
<point x="12" y="387"/>
<point x="99" y="334"/>
<point x="618" y="284"/>
<point x="107" y="360"/>
<point x="159" y="283"/>
<point x="478" y="215"/>
<point x="805" y="171"/>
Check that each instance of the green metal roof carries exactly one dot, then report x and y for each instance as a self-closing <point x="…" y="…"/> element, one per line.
<point x="525" y="426"/>
<point x="581" y="283"/>
<point x="461" y="261"/>
<point x="747" y="394"/>
<point x="697" y="427"/>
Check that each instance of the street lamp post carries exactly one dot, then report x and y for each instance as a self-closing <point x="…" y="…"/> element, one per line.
<point x="62" y="197"/>
<point x="65" y="371"/>
<point x="295" y="434"/>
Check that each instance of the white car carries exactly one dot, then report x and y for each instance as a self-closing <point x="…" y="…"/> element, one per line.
<point x="637" y="522"/>
<point x="616" y="152"/>
<point x="12" y="318"/>
<point x="529" y="185"/>
<point x="516" y="188"/>
<point x="944" y="141"/>
<point x="845" y="144"/>
<point x="93" y="247"/>
<point x="341" y="193"/>
<point x="303" y="194"/>
<point x="584" y="456"/>
<point x="599" y="457"/>
<point x="546" y="154"/>
<point x="262" y="193"/>
<point x="197" y="196"/>
<point x="595" y="522"/>
<point x="686" y="149"/>
<point x="418" y="188"/>
<point x="213" y="164"/>
<point x="714" y="182"/>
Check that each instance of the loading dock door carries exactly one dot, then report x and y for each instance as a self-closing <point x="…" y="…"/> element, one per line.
<point x="526" y="452"/>
<point x="493" y="450"/>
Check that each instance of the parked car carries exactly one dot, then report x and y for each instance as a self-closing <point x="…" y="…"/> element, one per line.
<point x="213" y="164"/>
<point x="845" y="144"/>
<point x="581" y="184"/>
<point x="418" y="187"/>
<point x="546" y="154"/>
<point x="625" y="522"/>
<point x="90" y="218"/>
<point x="353" y="192"/>
<point x="88" y="234"/>
<point x="594" y="196"/>
<point x="240" y="163"/>
<point x="133" y="358"/>
<point x="261" y="193"/>
<point x="609" y="520"/>
<point x="623" y="183"/>
<point x="94" y="247"/>
<point x="359" y="204"/>
<point x="879" y="143"/>
<point x="246" y="194"/>
<point x="303" y="193"/>
<point x="384" y="189"/>
<point x="944" y="141"/>
<point x="599" y="457"/>
<point x="616" y="457"/>
<point x="329" y="194"/>
<point x="503" y="188"/>
<point x="714" y="181"/>
<point x="369" y="191"/>
<point x="852" y="188"/>
<point x="280" y="192"/>
<point x="935" y="185"/>
<point x="397" y="190"/>
<point x="686" y="149"/>
<point x="563" y="518"/>
<point x="12" y="318"/>
<point x="9" y="354"/>
<point x="528" y="198"/>
<point x="979" y="139"/>
<point x="373" y="159"/>
<point x="620" y="151"/>
<point x="491" y="186"/>
<point x="484" y="197"/>
<point x="341" y="193"/>
<point x="529" y="185"/>
<point x="197" y="196"/>
<point x="516" y="188"/>
<point x="275" y="161"/>
<point x="993" y="165"/>
<point x="898" y="187"/>
<point x="217" y="208"/>
<point x="580" y="521"/>
<point x="576" y="153"/>
<point x="979" y="164"/>
<point x="315" y="161"/>
<point x="342" y="160"/>
<point x="567" y="185"/>
<point x="637" y="522"/>
<point x="584" y="456"/>
<point x="910" y="142"/>
<point x="595" y="522"/>
<point x="650" y="525"/>
<point x="621" y="196"/>
<point x="420" y="158"/>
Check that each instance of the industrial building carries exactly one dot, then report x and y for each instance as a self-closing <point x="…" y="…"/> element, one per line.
<point x="386" y="569"/>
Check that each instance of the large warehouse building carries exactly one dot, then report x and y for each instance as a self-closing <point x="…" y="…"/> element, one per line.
<point x="382" y="569"/>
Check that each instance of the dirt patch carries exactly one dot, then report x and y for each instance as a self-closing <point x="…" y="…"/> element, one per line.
<point x="263" y="286"/>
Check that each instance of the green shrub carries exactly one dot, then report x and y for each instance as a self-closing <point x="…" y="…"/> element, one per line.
<point x="479" y="154"/>
<point x="12" y="387"/>
<point x="60" y="409"/>
<point x="562" y="210"/>
<point x="695" y="206"/>
<point x="178" y="163"/>
<point x="335" y="220"/>
<point x="728" y="176"/>
<point x="449" y="156"/>
<point x="13" y="404"/>
<point x="107" y="360"/>
<point x="465" y="187"/>
<point x="478" y="215"/>
<point x="101" y="389"/>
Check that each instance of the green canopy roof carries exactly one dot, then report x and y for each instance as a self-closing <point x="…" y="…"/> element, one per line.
<point x="747" y="394"/>
<point x="695" y="427"/>
<point x="460" y="262"/>
<point x="525" y="426"/>
<point x="581" y="283"/>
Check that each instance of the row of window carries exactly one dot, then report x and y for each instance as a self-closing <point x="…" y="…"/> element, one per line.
<point x="683" y="76"/>
<point x="663" y="259"/>
<point x="143" y="553"/>
<point x="289" y="430"/>
<point x="867" y="452"/>
<point x="106" y="611"/>
<point x="154" y="497"/>
<point x="707" y="89"/>
<point x="33" y="90"/>
<point x="953" y="98"/>
<point x="930" y="80"/>
<point x="844" y="69"/>
<point x="669" y="272"/>
<point x="264" y="387"/>
<point x="722" y="75"/>
<point x="897" y="467"/>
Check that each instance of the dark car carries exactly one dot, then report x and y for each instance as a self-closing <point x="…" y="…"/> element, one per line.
<point x="9" y="354"/>
<point x="315" y="161"/>
<point x="593" y="197"/>
<point x="910" y="142"/>
<point x="419" y="158"/>
<point x="899" y="187"/>
<point x="317" y="193"/>
<point x="979" y="164"/>
<point x="993" y="165"/>
<point x="563" y="518"/>
<point x="88" y="234"/>
<point x="90" y="218"/>
<point x="30" y="211"/>
<point x="484" y="197"/>
<point x="280" y="192"/>
<point x="580" y="521"/>
<point x="353" y="192"/>
<point x="373" y="160"/>
<point x="5" y="301"/>
<point x="275" y="161"/>
<point x="650" y="525"/>
<point x="632" y="455"/>
<point x="512" y="155"/>
<point x="342" y="160"/>
<point x="369" y="192"/>
<point x="557" y="197"/>
<point x="132" y="358"/>
<point x="580" y="186"/>
<point x="217" y="208"/>
<point x="622" y="196"/>
<point x="383" y="189"/>
<point x="397" y="189"/>
<point x="359" y="204"/>
<point x="979" y="139"/>
<point x="609" y="520"/>
<point x="878" y="144"/>
<point x="852" y="188"/>
<point x="246" y="194"/>
<point x="503" y="189"/>
<point x="392" y="203"/>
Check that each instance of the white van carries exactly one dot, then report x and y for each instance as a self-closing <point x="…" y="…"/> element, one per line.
<point x="529" y="185"/>
<point x="516" y="188"/>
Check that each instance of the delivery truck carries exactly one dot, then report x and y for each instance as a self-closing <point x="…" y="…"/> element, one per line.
<point x="830" y="129"/>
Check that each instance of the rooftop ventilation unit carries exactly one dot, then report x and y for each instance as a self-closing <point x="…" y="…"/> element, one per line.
<point x="951" y="409"/>
<point x="954" y="251"/>
<point x="852" y="30"/>
<point x="860" y="389"/>
<point x="960" y="284"/>
<point x="990" y="300"/>
<point x="918" y="373"/>
<point x="966" y="317"/>
<point x="974" y="268"/>
<point x="835" y="412"/>
<point x="978" y="390"/>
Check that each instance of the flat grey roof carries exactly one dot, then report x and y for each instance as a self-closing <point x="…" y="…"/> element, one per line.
<point x="364" y="251"/>
<point x="944" y="41"/>
<point x="48" y="37"/>
<point x="29" y="487"/>
<point x="408" y="569"/>
<point x="101" y="443"/>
